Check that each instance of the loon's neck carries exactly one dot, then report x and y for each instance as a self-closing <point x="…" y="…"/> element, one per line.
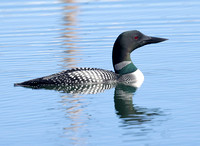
<point x="125" y="67"/>
<point x="121" y="59"/>
<point x="122" y="62"/>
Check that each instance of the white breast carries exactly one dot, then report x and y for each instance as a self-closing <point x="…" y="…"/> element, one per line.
<point x="134" y="79"/>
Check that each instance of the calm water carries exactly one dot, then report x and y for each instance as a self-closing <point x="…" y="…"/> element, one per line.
<point x="39" y="38"/>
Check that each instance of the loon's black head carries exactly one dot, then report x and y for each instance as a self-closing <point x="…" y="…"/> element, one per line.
<point x="134" y="39"/>
<point x="129" y="41"/>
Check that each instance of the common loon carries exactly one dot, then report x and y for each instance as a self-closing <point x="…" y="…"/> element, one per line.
<point x="125" y="71"/>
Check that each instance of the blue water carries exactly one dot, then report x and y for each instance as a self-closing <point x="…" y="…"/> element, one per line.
<point x="40" y="38"/>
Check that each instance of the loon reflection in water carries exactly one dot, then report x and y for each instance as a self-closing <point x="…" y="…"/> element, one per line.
<point x="134" y="118"/>
<point x="129" y="113"/>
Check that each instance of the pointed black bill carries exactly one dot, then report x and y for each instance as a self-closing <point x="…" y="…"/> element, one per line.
<point x="151" y="40"/>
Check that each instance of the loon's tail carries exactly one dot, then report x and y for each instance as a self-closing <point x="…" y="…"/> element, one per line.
<point x="34" y="82"/>
<point x="17" y="84"/>
<point x="23" y="84"/>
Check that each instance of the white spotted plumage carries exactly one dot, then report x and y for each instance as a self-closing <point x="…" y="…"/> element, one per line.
<point x="76" y="76"/>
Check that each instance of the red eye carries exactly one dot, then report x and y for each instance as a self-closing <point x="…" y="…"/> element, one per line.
<point x="136" y="37"/>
